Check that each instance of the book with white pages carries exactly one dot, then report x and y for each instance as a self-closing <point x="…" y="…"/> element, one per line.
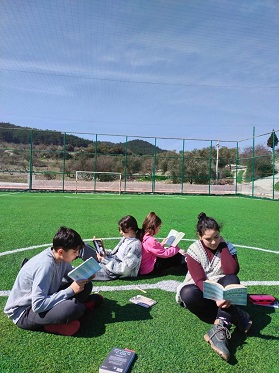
<point x="174" y="237"/>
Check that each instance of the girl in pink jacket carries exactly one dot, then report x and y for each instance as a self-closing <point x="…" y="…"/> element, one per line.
<point x="155" y="257"/>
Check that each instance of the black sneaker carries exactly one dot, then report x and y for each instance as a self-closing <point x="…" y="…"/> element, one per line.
<point x="218" y="338"/>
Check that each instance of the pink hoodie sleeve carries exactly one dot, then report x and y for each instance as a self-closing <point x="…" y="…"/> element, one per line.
<point x="154" y="247"/>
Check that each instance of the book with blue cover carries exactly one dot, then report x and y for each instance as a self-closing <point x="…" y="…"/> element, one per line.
<point x="85" y="270"/>
<point x="236" y="293"/>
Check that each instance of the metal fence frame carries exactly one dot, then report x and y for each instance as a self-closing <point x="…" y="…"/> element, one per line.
<point x="151" y="186"/>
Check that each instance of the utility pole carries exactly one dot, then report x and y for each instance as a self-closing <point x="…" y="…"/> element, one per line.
<point x="217" y="161"/>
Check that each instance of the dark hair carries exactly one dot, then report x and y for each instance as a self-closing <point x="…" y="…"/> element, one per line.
<point x="67" y="238"/>
<point x="205" y="222"/>
<point x="151" y="222"/>
<point x="127" y="222"/>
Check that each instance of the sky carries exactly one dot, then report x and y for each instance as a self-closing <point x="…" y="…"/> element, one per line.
<point x="171" y="69"/>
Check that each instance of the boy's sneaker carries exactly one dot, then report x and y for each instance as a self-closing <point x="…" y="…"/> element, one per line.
<point x="218" y="338"/>
<point x="241" y="319"/>
<point x="94" y="301"/>
<point x="63" y="329"/>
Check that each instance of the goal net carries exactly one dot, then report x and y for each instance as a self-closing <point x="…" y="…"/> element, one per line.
<point x="98" y="181"/>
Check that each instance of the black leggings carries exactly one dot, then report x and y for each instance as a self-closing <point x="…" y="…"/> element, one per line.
<point x="206" y="309"/>
<point x="178" y="260"/>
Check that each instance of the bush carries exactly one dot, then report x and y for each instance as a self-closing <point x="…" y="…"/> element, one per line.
<point x="49" y="175"/>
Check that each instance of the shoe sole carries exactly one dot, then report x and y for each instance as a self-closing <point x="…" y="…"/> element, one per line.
<point x="248" y="327"/>
<point x="63" y="329"/>
<point x="220" y="353"/>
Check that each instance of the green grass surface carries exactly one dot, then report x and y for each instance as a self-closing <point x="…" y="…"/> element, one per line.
<point x="166" y="338"/>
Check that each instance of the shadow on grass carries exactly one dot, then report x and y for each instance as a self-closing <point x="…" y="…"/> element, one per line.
<point x="93" y="324"/>
<point x="260" y="317"/>
<point x="174" y="271"/>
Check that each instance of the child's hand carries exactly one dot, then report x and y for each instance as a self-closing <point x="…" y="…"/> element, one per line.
<point x="164" y="241"/>
<point x="223" y="303"/>
<point x="100" y="257"/>
<point x="91" y="278"/>
<point x="78" y="286"/>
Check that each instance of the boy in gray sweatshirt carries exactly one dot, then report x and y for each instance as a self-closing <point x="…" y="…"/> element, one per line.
<point x="43" y="297"/>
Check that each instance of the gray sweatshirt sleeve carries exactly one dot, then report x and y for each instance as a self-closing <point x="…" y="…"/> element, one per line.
<point x="43" y="297"/>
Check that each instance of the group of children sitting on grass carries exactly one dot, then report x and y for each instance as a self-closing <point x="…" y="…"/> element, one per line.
<point x="45" y="298"/>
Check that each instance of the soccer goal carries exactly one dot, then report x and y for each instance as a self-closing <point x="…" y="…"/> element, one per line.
<point x="98" y="181"/>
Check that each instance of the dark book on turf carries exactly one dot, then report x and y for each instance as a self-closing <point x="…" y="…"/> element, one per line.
<point x="85" y="270"/>
<point x="236" y="293"/>
<point x="118" y="360"/>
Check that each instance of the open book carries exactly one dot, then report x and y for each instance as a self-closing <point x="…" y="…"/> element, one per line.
<point x="174" y="237"/>
<point x="236" y="293"/>
<point x="85" y="270"/>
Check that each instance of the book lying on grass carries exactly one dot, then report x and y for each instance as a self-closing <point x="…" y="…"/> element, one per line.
<point x="118" y="360"/>
<point x="85" y="270"/>
<point x="236" y="293"/>
<point x="261" y="298"/>
<point x="272" y="305"/>
<point x="98" y="245"/>
<point x="143" y="301"/>
<point x="174" y="237"/>
<point x="264" y="300"/>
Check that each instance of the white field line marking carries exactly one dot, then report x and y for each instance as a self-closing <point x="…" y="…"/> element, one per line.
<point x="118" y="238"/>
<point x="167" y="285"/>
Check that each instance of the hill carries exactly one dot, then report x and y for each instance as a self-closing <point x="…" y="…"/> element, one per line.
<point x="13" y="134"/>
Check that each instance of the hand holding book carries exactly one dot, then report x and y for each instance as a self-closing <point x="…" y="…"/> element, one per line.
<point x="99" y="246"/>
<point x="173" y="238"/>
<point x="235" y="293"/>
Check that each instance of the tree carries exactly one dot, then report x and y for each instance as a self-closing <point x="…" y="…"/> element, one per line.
<point x="273" y="140"/>
<point x="259" y="162"/>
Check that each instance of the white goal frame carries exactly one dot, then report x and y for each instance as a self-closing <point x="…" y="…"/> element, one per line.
<point x="94" y="179"/>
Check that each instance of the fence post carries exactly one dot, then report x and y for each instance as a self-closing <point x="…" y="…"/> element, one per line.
<point x="210" y="165"/>
<point x="31" y="161"/>
<point x="64" y="161"/>
<point x="273" y="164"/>
<point x="95" y="160"/>
<point x="236" y="167"/>
<point x="153" y="173"/>
<point x="182" y="165"/>
<point x="253" y="162"/>
<point x="125" y="163"/>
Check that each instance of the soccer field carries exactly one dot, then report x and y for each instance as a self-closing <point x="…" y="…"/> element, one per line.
<point x="166" y="338"/>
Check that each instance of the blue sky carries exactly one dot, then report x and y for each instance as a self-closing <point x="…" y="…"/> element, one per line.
<point x="193" y="69"/>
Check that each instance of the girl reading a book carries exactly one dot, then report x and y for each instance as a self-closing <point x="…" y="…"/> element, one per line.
<point x="212" y="258"/>
<point x="124" y="260"/>
<point x="155" y="257"/>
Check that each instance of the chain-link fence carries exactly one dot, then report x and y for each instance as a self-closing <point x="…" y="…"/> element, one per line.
<point x="34" y="160"/>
